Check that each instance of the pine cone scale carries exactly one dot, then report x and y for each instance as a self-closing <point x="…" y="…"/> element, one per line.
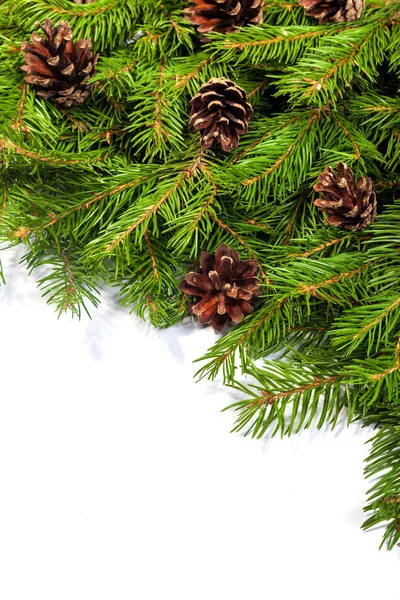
<point x="209" y="300"/>
<point x="191" y="290"/>
<point x="202" y="281"/>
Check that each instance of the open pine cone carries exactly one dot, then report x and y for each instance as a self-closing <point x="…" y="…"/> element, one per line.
<point x="224" y="288"/>
<point x="220" y="111"/>
<point x="58" y="69"/>
<point x="350" y="204"/>
<point x="224" y="16"/>
<point x="333" y="11"/>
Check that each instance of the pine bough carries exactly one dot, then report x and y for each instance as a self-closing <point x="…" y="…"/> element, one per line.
<point x="118" y="190"/>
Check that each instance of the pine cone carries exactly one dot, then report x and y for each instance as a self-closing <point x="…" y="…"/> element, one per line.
<point x="226" y="285"/>
<point x="57" y="68"/>
<point x="350" y="204"/>
<point x="224" y="15"/>
<point x="333" y="11"/>
<point x="221" y="112"/>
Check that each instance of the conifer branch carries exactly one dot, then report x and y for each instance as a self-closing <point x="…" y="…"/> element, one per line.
<point x="116" y="189"/>
<point x="146" y="216"/>
<point x="287" y="152"/>
<point x="268" y="398"/>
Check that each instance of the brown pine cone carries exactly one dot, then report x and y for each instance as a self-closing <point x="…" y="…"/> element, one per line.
<point x="226" y="285"/>
<point x="350" y="204"/>
<point x="220" y="111"/>
<point x="58" y="69"/>
<point x="224" y="16"/>
<point x="333" y="11"/>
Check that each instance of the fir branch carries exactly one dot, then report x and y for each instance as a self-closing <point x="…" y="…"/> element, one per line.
<point x="145" y="217"/>
<point x="107" y="22"/>
<point x="384" y="463"/>
<point x="290" y="306"/>
<point x="68" y="285"/>
<point x="358" y="53"/>
<point x="302" y="399"/>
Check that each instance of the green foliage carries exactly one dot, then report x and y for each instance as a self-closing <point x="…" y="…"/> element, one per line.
<point x="117" y="190"/>
<point x="384" y="463"/>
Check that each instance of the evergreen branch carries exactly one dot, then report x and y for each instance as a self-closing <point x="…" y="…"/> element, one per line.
<point x="107" y="22"/>
<point x="70" y="287"/>
<point x="276" y="40"/>
<point x="357" y="54"/>
<point x="268" y="398"/>
<point x="357" y="154"/>
<point x="266" y="42"/>
<point x="146" y="216"/>
<point x="323" y="396"/>
<point x="289" y="150"/>
<point x="341" y="240"/>
<point x="225" y="355"/>
<point x="312" y="288"/>
<point x="93" y="10"/>
<point x="67" y="285"/>
<point x="384" y="463"/>
<point x="49" y="159"/>
<point x="258" y="87"/>
<point x="18" y="124"/>
<point x="289" y="307"/>
<point x="157" y="120"/>
<point x="182" y="81"/>
<point x="396" y="367"/>
<point x="23" y="232"/>
<point x="376" y="321"/>
<point x="263" y="137"/>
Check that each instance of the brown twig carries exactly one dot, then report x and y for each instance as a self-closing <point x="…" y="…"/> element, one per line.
<point x="158" y="126"/>
<point x="317" y="84"/>
<point x="311" y="289"/>
<point x="396" y="367"/>
<point x="19" y="123"/>
<point x="123" y="235"/>
<point x="153" y="260"/>
<point x="287" y="153"/>
<point x="257" y="88"/>
<point x="22" y="232"/>
<point x="276" y="40"/>
<point x="268" y="398"/>
<point x="357" y="154"/>
<point x="375" y="321"/>
<point x="184" y="79"/>
<point x="96" y="11"/>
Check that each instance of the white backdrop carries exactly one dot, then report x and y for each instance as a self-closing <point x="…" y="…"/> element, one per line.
<point x="120" y="479"/>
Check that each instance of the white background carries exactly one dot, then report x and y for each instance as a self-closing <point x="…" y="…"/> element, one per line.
<point x="120" y="479"/>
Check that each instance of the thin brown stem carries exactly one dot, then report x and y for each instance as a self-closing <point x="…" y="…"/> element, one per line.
<point x="153" y="260"/>
<point x="268" y="398"/>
